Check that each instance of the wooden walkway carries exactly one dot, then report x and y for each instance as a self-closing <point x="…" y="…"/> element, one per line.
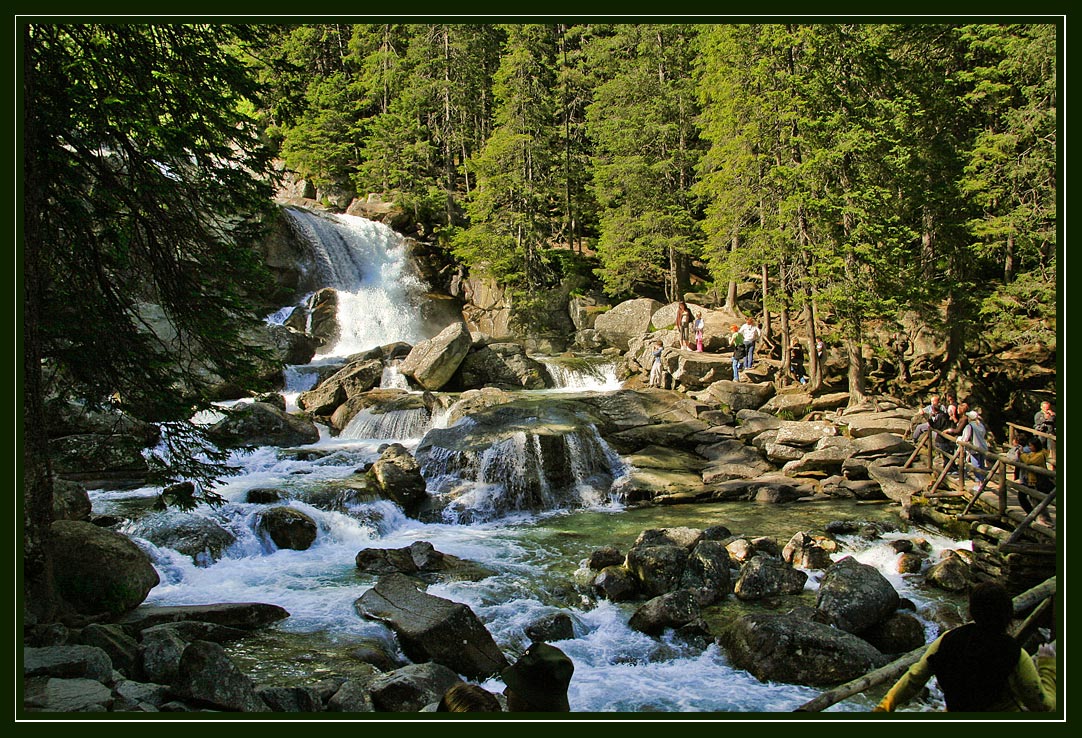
<point x="1011" y="546"/>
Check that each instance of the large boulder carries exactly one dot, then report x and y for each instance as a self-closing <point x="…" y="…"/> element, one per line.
<point x="793" y="403"/>
<point x="658" y="569"/>
<point x="502" y="365"/>
<point x="628" y="320"/>
<point x="98" y="459"/>
<point x="708" y="570"/>
<point x="207" y="675"/>
<point x="70" y="501"/>
<point x="397" y="475"/>
<point x="421" y="560"/>
<point x="809" y="551"/>
<point x="696" y="370"/>
<point x="242" y="615"/>
<point x="98" y="571"/>
<point x="189" y="533"/>
<point x="285" y="344"/>
<point x="431" y="628"/>
<point x="288" y="527"/>
<point x="671" y="610"/>
<point x="261" y="424"/>
<point x="411" y="687"/>
<point x="433" y="362"/>
<point x="350" y="381"/>
<point x="765" y="576"/>
<point x="68" y="662"/>
<point x="856" y="596"/>
<point x="786" y="648"/>
<point x="737" y="396"/>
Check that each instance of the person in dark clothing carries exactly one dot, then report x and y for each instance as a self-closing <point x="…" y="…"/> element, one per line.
<point x="683" y="324"/>
<point x="796" y="362"/>
<point x="979" y="666"/>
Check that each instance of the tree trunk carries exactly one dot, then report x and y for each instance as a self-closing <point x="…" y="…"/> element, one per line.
<point x="1008" y="260"/>
<point x="927" y="245"/>
<point x="730" y="295"/>
<point x="855" y="351"/>
<point x="815" y="371"/>
<point x="766" y="313"/>
<point x="39" y="598"/>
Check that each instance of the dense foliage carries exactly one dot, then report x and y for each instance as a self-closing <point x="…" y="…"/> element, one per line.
<point x="141" y="205"/>
<point x="858" y="167"/>
<point x="853" y="170"/>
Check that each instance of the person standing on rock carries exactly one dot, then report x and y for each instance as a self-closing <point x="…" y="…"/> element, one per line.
<point x="699" y="326"/>
<point x="796" y="362"/>
<point x="736" y="340"/>
<point x="751" y="337"/>
<point x="683" y="324"/>
<point x="979" y="666"/>
<point x="655" y="368"/>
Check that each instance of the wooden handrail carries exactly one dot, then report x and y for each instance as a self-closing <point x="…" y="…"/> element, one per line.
<point x="953" y="454"/>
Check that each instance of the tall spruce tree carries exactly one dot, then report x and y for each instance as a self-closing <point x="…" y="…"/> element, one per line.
<point x="140" y="184"/>
<point x="512" y="205"/>
<point x="641" y="123"/>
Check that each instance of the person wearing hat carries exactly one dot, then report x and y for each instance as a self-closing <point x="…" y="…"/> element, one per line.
<point x="538" y="681"/>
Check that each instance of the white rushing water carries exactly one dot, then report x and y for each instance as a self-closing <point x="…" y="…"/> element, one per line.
<point x="367" y="264"/>
<point x="537" y="553"/>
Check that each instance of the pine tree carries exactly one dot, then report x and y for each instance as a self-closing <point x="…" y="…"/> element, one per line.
<point x="141" y="184"/>
<point x="642" y="125"/>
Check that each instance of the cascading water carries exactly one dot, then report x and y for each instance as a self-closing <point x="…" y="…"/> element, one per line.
<point x="528" y="492"/>
<point x="367" y="264"/>
<point x="581" y="374"/>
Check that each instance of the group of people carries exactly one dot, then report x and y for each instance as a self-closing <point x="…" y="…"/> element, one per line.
<point x="962" y="423"/>
<point x="686" y="322"/>
<point x="743" y="339"/>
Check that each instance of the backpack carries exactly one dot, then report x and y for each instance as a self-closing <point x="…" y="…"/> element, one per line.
<point x="740" y="351"/>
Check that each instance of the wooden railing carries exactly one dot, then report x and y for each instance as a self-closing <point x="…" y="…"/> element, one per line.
<point x="947" y="462"/>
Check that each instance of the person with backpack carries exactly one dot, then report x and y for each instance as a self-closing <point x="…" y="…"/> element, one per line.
<point x="980" y="666"/>
<point x="975" y="434"/>
<point x="740" y="351"/>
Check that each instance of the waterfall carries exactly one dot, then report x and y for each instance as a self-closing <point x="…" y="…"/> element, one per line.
<point x="524" y="471"/>
<point x="399" y="425"/>
<point x="367" y="263"/>
<point x="581" y="374"/>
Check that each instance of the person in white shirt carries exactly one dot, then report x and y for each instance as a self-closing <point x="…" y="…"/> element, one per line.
<point x="750" y="332"/>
